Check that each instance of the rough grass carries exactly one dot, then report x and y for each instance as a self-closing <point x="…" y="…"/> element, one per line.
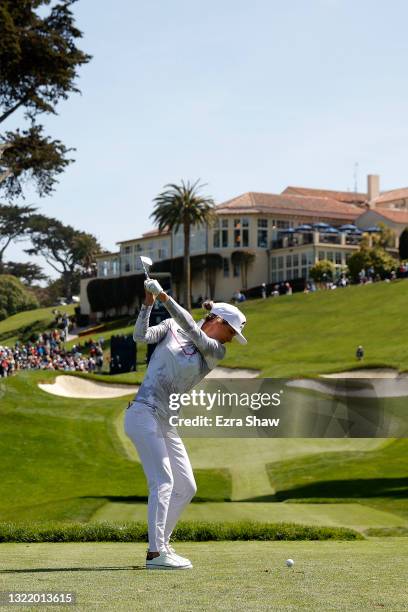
<point x="21" y="325"/>
<point x="307" y="334"/>
<point x="185" y="531"/>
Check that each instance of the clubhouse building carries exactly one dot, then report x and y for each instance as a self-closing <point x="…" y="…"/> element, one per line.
<point x="263" y="238"/>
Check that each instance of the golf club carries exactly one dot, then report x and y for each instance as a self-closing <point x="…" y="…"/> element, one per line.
<point x="146" y="263"/>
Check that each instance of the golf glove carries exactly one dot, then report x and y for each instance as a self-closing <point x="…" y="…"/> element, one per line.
<point x="153" y="286"/>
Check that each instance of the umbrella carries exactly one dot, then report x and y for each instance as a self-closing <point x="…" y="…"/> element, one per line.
<point x="349" y="227"/>
<point x="320" y="225"/>
<point x="372" y="229"/>
<point x="288" y="230"/>
<point x="304" y="228"/>
<point x="330" y="230"/>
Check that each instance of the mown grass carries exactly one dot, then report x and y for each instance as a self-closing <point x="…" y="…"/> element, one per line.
<point x="63" y="458"/>
<point x="355" y="576"/>
<point x="376" y="478"/>
<point x="382" y="472"/>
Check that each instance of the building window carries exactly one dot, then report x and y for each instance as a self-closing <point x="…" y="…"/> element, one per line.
<point x="304" y="272"/>
<point x="321" y="255"/>
<point x="282" y="224"/>
<point x="220" y="234"/>
<point x="273" y="263"/>
<point x="226" y="267"/>
<point x="288" y="261"/>
<point x="263" y="233"/>
<point x="237" y="269"/>
<point x="338" y="257"/>
<point x="241" y="232"/>
<point x="330" y="255"/>
<point x="304" y="259"/>
<point x="280" y="262"/>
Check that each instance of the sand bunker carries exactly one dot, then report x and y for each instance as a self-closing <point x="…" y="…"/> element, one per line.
<point x="367" y="373"/>
<point x="375" y="383"/>
<point x="220" y="372"/>
<point x="75" y="386"/>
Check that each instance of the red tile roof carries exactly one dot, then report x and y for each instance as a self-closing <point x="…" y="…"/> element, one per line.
<point x="393" y="194"/>
<point x="150" y="234"/>
<point x="156" y="232"/>
<point x="342" y="196"/>
<point x="289" y="204"/>
<point x="398" y="216"/>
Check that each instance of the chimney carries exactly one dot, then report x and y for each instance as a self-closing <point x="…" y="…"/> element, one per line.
<point x="373" y="188"/>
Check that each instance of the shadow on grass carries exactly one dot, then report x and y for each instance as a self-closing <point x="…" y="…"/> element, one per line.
<point x="357" y="488"/>
<point x="38" y="570"/>
<point x="137" y="499"/>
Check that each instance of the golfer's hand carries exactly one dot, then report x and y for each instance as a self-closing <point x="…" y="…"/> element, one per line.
<point x="153" y="286"/>
<point x="149" y="298"/>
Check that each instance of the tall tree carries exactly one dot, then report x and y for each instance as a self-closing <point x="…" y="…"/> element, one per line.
<point x="67" y="250"/>
<point x="26" y="272"/>
<point x="38" y="68"/>
<point x="183" y="206"/>
<point x="14" y="221"/>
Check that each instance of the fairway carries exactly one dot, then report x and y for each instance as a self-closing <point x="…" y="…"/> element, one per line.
<point x="351" y="515"/>
<point x="363" y="575"/>
<point x="85" y="439"/>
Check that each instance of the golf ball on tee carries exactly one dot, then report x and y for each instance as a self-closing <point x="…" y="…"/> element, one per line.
<point x="290" y="562"/>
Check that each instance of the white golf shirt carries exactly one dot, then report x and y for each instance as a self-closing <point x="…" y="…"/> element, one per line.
<point x="183" y="356"/>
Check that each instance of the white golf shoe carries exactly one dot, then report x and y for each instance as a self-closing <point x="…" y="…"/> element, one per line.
<point x="171" y="551"/>
<point x="168" y="561"/>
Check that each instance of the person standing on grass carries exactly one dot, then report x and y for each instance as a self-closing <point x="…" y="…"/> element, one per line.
<point x="186" y="351"/>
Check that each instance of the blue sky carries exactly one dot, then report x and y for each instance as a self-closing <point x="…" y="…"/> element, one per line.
<point x="247" y="96"/>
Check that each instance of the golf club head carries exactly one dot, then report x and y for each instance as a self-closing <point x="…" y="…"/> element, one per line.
<point x="146" y="263"/>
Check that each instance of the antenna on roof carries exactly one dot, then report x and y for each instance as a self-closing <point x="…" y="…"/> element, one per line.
<point x="355" y="179"/>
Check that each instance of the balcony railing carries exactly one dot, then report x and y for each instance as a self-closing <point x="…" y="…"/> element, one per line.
<point x="292" y="241"/>
<point x="300" y="239"/>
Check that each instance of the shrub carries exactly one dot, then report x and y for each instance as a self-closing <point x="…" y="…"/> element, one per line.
<point x="14" y="297"/>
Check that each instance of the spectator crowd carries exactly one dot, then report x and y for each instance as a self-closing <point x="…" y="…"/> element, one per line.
<point x="48" y="352"/>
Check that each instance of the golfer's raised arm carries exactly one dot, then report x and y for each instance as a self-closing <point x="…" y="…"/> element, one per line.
<point x="143" y="333"/>
<point x="209" y="347"/>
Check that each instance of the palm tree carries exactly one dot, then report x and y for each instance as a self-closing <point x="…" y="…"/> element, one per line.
<point x="183" y="205"/>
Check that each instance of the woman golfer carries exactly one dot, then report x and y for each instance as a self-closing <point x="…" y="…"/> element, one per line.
<point x="186" y="351"/>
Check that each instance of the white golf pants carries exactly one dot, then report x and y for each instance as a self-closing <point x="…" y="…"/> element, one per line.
<point x="167" y="469"/>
